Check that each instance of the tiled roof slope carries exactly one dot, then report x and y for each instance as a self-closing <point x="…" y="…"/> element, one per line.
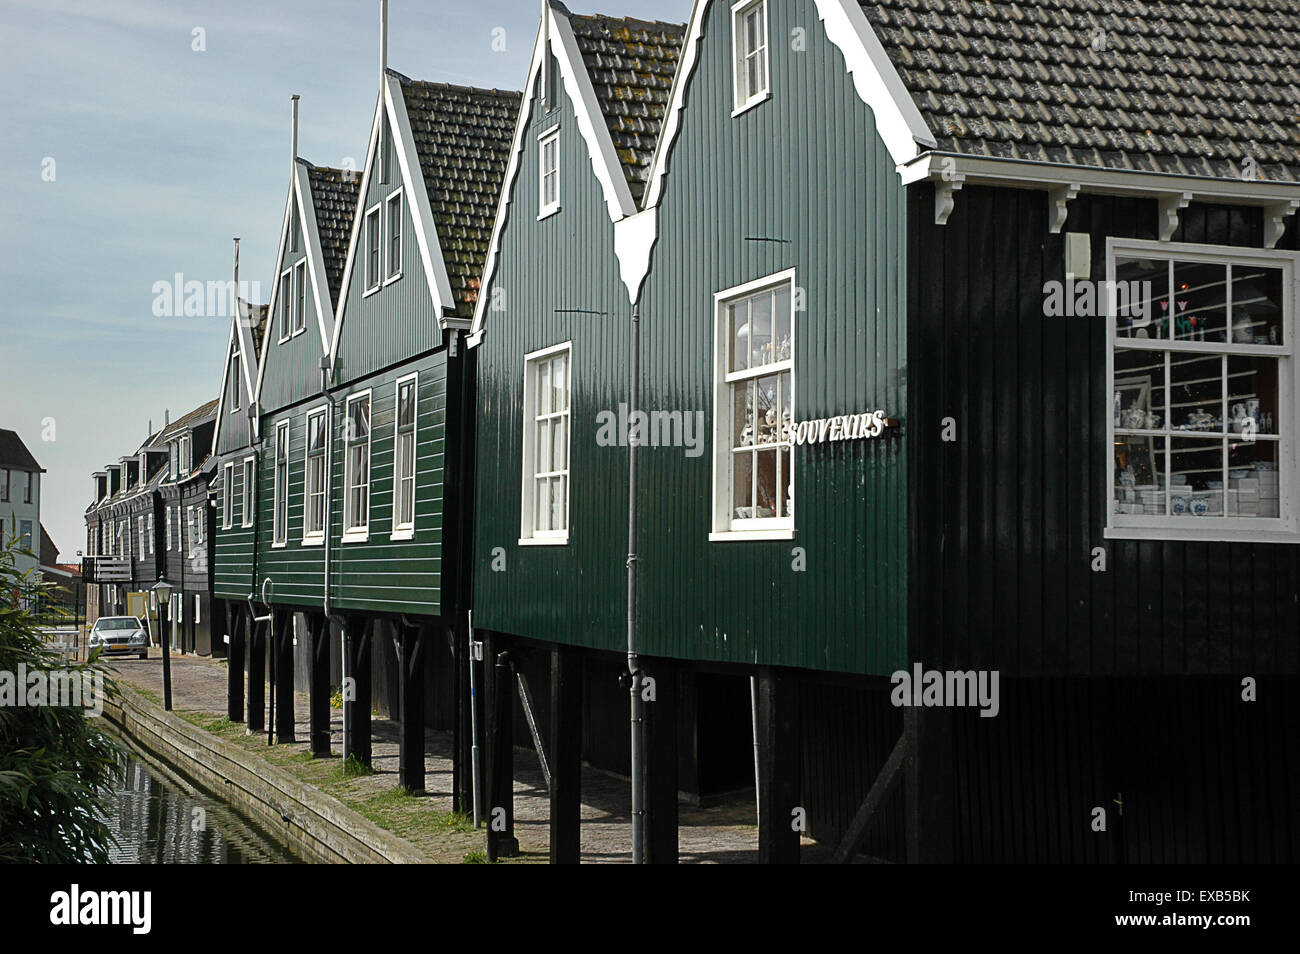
<point x="334" y="194"/>
<point x="1192" y="87"/>
<point x="14" y="453"/>
<point x="631" y="64"/>
<point x="462" y="138"/>
<point x="182" y="424"/>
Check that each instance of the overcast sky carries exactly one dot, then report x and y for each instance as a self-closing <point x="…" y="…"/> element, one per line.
<point x="130" y="156"/>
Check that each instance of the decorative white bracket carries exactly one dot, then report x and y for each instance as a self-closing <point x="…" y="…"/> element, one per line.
<point x="1058" y="200"/>
<point x="945" y="191"/>
<point x="1170" y="205"/>
<point x="1275" y="217"/>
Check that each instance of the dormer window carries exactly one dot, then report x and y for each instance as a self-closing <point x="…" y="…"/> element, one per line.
<point x="548" y="180"/>
<point x="174" y="460"/>
<point x="285" y="303"/>
<point x="749" y="46"/>
<point x="300" y="296"/>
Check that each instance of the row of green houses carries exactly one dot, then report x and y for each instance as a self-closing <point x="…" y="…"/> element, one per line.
<point x="929" y="568"/>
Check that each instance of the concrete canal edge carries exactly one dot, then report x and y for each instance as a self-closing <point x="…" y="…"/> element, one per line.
<point x="313" y="826"/>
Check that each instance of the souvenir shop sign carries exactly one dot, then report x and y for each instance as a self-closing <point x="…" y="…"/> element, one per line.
<point x="846" y="427"/>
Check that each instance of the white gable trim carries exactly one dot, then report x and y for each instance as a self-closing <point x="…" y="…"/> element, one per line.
<point x="392" y="106"/>
<point x="275" y="285"/>
<point x="556" y="33"/>
<point x="222" y="412"/>
<point x="315" y="256"/>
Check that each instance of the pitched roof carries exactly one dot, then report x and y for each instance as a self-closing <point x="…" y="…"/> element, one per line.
<point x="631" y="64"/>
<point x="462" y="138"/>
<point x="14" y="453"/>
<point x="334" y="195"/>
<point x="1147" y="85"/>
<point x="182" y="424"/>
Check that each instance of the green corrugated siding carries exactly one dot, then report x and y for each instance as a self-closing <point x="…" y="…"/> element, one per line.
<point x="293" y="364"/>
<point x="232" y="570"/>
<point x="807" y="169"/>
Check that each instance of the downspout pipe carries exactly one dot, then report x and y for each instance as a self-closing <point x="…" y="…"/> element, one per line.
<point x="345" y="636"/>
<point x="637" y="706"/>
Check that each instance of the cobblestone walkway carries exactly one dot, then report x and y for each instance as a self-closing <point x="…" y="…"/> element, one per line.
<point x="726" y="833"/>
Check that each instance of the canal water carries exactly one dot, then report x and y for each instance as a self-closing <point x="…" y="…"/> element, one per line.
<point x="158" y="818"/>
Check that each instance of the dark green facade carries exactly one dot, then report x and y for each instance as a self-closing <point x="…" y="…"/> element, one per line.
<point x="803" y="182"/>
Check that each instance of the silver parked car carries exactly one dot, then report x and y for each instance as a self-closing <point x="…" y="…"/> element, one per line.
<point x="120" y="634"/>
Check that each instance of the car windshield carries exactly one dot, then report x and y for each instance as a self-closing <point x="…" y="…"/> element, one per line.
<point x="118" y="622"/>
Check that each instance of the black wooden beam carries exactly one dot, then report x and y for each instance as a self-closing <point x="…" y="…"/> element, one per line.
<point x="256" y="672"/>
<point x="359" y="669"/>
<point x="411" y="642"/>
<point x="318" y="631"/>
<point x="462" y="791"/>
<point x="235" y="627"/>
<point x="928" y="817"/>
<point x="778" y="780"/>
<point x="566" y="755"/>
<point x="501" y="841"/>
<point x="661" y="764"/>
<point x="284" y="698"/>
<point x="890" y="774"/>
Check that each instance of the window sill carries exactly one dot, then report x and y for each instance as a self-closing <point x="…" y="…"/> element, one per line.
<point x="356" y="536"/>
<point x="279" y="546"/>
<point x="318" y="541"/>
<point x="1278" y="532"/>
<point x="390" y="279"/>
<point x="556" y="541"/>
<point x="408" y="533"/>
<point x="297" y="331"/>
<point x="756" y="101"/>
<point x="731" y="536"/>
<point x="547" y="213"/>
<point x="370" y="291"/>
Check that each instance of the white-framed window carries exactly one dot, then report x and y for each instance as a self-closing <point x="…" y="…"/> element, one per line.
<point x="356" y="477"/>
<point x="121" y="539"/>
<point x="187" y="454"/>
<point x="750" y="51"/>
<point x="285" y="304"/>
<point x="233" y="386"/>
<point x="280" y="520"/>
<point x="198" y="609"/>
<point x="167" y="527"/>
<point x="139" y="523"/>
<point x="753" y="461"/>
<point x="250" y="492"/>
<point x="393" y="240"/>
<point x="173" y="460"/>
<point x="404" y="435"/>
<point x="548" y="173"/>
<point x="1201" y="384"/>
<point x="547" y="392"/>
<point x="313" y="530"/>
<point x="190" y="533"/>
<point x="227" y="495"/>
<point x="300" y="296"/>
<point x="374" y="247"/>
<point x="180" y="544"/>
<point x="149" y="531"/>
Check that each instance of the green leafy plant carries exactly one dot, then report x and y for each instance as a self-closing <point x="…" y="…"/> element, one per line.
<point x="54" y="762"/>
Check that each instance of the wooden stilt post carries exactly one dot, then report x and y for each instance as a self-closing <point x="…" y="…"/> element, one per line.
<point x="928" y="822"/>
<point x="462" y="794"/>
<point x="778" y="782"/>
<point x="501" y="841"/>
<point x="256" y="672"/>
<point x="566" y="755"/>
<point x="661" y="768"/>
<point x="236" y="627"/>
<point x="359" y="634"/>
<point x="284" y="698"/>
<point x="318" y="630"/>
<point x="411" y="643"/>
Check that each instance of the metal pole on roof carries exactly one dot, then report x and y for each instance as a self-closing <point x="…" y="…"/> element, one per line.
<point x="633" y="662"/>
<point x="383" y="42"/>
<point x="293" y="109"/>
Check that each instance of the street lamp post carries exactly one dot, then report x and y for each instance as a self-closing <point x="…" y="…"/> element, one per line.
<point x="163" y="590"/>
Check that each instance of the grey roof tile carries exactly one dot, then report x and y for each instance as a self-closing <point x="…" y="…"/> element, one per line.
<point x="334" y="194"/>
<point x="1183" y="87"/>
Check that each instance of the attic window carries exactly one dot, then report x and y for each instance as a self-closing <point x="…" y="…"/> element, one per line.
<point x="233" y="387"/>
<point x="393" y="212"/>
<point x="285" y="303"/>
<point x="300" y="296"/>
<point x="373" y="249"/>
<point x="749" y="45"/>
<point x="548" y="178"/>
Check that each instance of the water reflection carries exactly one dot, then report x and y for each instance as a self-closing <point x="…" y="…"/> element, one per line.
<point x="157" y="821"/>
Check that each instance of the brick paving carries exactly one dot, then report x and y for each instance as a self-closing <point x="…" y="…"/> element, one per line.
<point x="726" y="833"/>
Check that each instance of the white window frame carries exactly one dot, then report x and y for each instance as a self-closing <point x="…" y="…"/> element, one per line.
<point x="1284" y="528"/>
<point x="180" y="542"/>
<point x="314" y="538"/>
<point x="546" y="209"/>
<point x="372" y="282"/>
<point x="139" y="523"/>
<point x="149" y="531"/>
<point x="284" y="305"/>
<point x="299" y="296"/>
<point x="234" y="370"/>
<point x="249" y="509"/>
<point x="744" y="98"/>
<point x="168" y="521"/>
<point x="392" y="272"/>
<point x="405" y="531"/>
<point x="189" y="529"/>
<point x="280" y="491"/>
<point x="354" y="530"/>
<point x="528" y="535"/>
<point x="198" y="609"/>
<point x="723" y="526"/>
<point x="227" y="496"/>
